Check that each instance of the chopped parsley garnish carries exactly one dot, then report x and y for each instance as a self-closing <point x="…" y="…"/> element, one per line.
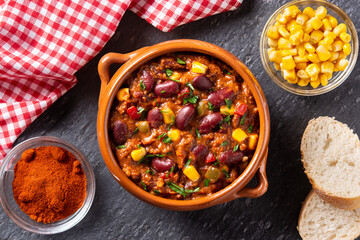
<point x="138" y="146"/>
<point x="183" y="94"/>
<point x="243" y="119"/>
<point x="136" y="130"/>
<point x="224" y="144"/>
<point x="174" y="80"/>
<point x="226" y="173"/>
<point x="169" y="127"/>
<point x="236" y="148"/>
<point x="171" y="170"/>
<point x="142" y="85"/>
<point x="190" y="86"/>
<point x="217" y="162"/>
<point x="156" y="103"/>
<point x="206" y="182"/>
<point x="121" y="146"/>
<point x="163" y="91"/>
<point x="211" y="107"/>
<point x="167" y="140"/>
<point x="168" y="72"/>
<point x="183" y="191"/>
<point x="164" y="111"/>
<point x="197" y="133"/>
<point x="228" y="103"/>
<point x="187" y="163"/>
<point x="156" y="191"/>
<point x="226" y="120"/>
<point x="180" y="61"/>
<point x="143" y="184"/>
<point x="140" y="110"/>
<point x="225" y="71"/>
<point x="151" y="155"/>
<point x="192" y="99"/>
<point x="250" y="128"/>
<point x="162" y="135"/>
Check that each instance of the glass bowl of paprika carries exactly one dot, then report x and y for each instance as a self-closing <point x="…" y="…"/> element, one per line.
<point x="47" y="185"/>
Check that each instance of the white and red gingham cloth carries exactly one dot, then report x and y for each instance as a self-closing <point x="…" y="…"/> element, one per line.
<point x="43" y="43"/>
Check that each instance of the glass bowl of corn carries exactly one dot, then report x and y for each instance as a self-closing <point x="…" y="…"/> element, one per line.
<point x="309" y="47"/>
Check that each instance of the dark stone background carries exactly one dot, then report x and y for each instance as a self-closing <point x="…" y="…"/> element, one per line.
<point x="115" y="214"/>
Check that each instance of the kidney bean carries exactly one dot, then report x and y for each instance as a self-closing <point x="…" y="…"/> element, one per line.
<point x="209" y="122"/>
<point x="200" y="151"/>
<point x="231" y="157"/>
<point x="138" y="94"/>
<point x="166" y="89"/>
<point x="184" y="116"/>
<point x="161" y="164"/>
<point x="120" y="132"/>
<point x="155" y="118"/>
<point x="148" y="80"/>
<point x="202" y="83"/>
<point x="218" y="97"/>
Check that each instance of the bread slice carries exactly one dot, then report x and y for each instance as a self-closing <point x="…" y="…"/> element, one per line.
<point x="331" y="158"/>
<point x="321" y="220"/>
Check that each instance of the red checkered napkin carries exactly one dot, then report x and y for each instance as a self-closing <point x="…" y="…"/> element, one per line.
<point x="43" y="43"/>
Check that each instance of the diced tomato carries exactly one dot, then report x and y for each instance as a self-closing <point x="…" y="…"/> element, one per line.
<point x="133" y="112"/>
<point x="184" y="93"/>
<point x="164" y="175"/>
<point x="210" y="158"/>
<point x="240" y="108"/>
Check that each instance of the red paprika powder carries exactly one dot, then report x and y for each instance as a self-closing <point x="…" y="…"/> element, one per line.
<point x="49" y="184"/>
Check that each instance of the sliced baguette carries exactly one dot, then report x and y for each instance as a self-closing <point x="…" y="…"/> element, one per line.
<point x="331" y="158"/>
<point x="321" y="220"/>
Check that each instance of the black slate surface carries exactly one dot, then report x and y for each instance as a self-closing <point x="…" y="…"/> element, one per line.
<point x="115" y="214"/>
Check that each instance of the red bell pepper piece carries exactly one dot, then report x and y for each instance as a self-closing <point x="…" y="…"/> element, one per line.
<point x="133" y="112"/>
<point x="184" y="93"/>
<point x="240" y="108"/>
<point x="210" y="158"/>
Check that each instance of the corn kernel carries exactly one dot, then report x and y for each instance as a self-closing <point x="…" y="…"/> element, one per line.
<point x="345" y="37"/>
<point x="301" y="50"/>
<point x="314" y="78"/>
<point x="334" y="56"/>
<point x="294" y="40"/>
<point x="174" y="135"/>
<point x="327" y="25"/>
<point x="123" y="94"/>
<point x="283" y="32"/>
<point x="224" y="110"/>
<point x="277" y="66"/>
<point x="284" y="44"/>
<point x="191" y="172"/>
<point x="306" y="37"/>
<point x="324" y="78"/>
<point x="303" y="82"/>
<point x="301" y="19"/>
<point x="330" y="34"/>
<point x="289" y="52"/>
<point x="315" y="84"/>
<point x="316" y="23"/>
<point x="328" y="40"/>
<point x="341" y="55"/>
<point x="321" y="12"/>
<point x="290" y="23"/>
<point x="301" y="59"/>
<point x="310" y="48"/>
<point x="253" y="139"/>
<point x="138" y="154"/>
<point x="302" y="74"/>
<point x="309" y="12"/>
<point x="327" y="67"/>
<point x="281" y="18"/>
<point x="333" y="21"/>
<point x="239" y="135"/>
<point x="339" y="29"/>
<point x="275" y="56"/>
<point x="175" y="76"/>
<point x="273" y="32"/>
<point x="168" y="115"/>
<point x="308" y="27"/>
<point x="347" y="49"/>
<point x="295" y="27"/>
<point x="291" y="11"/>
<point x="290" y="75"/>
<point x="337" y="46"/>
<point x="301" y="65"/>
<point x="341" y="64"/>
<point x="313" y="69"/>
<point x="143" y="126"/>
<point x="323" y="53"/>
<point x="316" y="36"/>
<point x="298" y="34"/>
<point x="313" y="57"/>
<point x="198" y="67"/>
<point x="288" y="63"/>
<point x="272" y="42"/>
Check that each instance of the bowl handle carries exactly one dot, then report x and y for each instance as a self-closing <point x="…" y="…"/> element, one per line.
<point x="262" y="186"/>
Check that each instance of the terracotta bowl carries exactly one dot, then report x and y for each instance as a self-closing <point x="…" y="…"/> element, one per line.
<point x="131" y="62"/>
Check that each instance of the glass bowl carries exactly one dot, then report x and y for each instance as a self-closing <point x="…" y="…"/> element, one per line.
<point x="338" y="77"/>
<point x="6" y="194"/>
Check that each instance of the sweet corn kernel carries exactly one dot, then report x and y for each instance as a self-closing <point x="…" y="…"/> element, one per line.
<point x="334" y="56"/>
<point x="330" y="34"/>
<point x="272" y="42"/>
<point x="301" y="19"/>
<point x="281" y="18"/>
<point x="341" y="64"/>
<point x="301" y="51"/>
<point x="327" y="25"/>
<point x="327" y="67"/>
<point x="310" y="48"/>
<point x="347" y="49"/>
<point x="288" y="63"/>
<point x="294" y="40"/>
<point x="314" y="78"/>
<point x="273" y="32"/>
<point x="175" y="76"/>
<point x="316" y="36"/>
<point x="345" y="37"/>
<point x="313" y="57"/>
<point x="302" y="74"/>
<point x="313" y="69"/>
<point x="301" y="65"/>
<point x="253" y="139"/>
<point x="328" y="40"/>
<point x="308" y="27"/>
<point x="316" y="23"/>
<point x="290" y="75"/>
<point x="321" y="12"/>
<point x="339" y="29"/>
<point x="333" y="21"/>
<point x="198" y="67"/>
<point x="310" y="12"/>
<point x="143" y="126"/>
<point x="324" y="78"/>
<point x="341" y="55"/>
<point x="123" y="94"/>
<point x="224" y="110"/>
<point x="277" y="66"/>
<point x="298" y="34"/>
<point x="295" y="27"/>
<point x="283" y="32"/>
<point x="337" y="46"/>
<point x="191" y="172"/>
<point x="289" y="52"/>
<point x="239" y="135"/>
<point x="315" y="84"/>
<point x="323" y="53"/>
<point x="306" y="37"/>
<point x="138" y="154"/>
<point x="284" y="44"/>
<point x="168" y="115"/>
<point x="174" y="135"/>
<point x="275" y="56"/>
<point x="290" y="23"/>
<point x="301" y="59"/>
<point x="291" y="11"/>
<point x="303" y="82"/>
